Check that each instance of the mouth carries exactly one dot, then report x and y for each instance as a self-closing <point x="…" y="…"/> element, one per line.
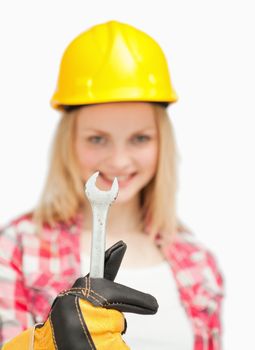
<point x="123" y="180"/>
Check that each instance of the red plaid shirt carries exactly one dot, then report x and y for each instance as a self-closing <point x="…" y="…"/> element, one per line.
<point x="34" y="270"/>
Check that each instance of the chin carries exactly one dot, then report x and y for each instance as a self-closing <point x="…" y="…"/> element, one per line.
<point x="127" y="195"/>
<point x="124" y="198"/>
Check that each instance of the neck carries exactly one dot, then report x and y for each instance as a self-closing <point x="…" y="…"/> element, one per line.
<point x="122" y="218"/>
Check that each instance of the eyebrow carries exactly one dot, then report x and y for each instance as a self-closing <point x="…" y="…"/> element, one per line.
<point x="94" y="130"/>
<point x="105" y="132"/>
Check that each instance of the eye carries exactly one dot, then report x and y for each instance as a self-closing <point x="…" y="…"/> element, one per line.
<point x="141" y="138"/>
<point x="97" y="139"/>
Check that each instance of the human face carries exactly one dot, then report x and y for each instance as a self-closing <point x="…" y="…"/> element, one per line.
<point x="118" y="139"/>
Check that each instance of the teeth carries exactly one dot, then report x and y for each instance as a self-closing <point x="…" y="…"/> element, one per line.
<point x="120" y="178"/>
<point x="123" y="178"/>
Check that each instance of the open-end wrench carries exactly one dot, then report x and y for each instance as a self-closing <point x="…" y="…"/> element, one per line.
<point x="100" y="202"/>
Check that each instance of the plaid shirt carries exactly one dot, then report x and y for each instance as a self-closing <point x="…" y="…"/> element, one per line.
<point x="34" y="270"/>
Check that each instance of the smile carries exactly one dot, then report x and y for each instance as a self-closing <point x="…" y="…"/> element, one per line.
<point x="123" y="180"/>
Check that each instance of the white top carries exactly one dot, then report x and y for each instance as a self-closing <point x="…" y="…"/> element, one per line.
<point x="170" y="327"/>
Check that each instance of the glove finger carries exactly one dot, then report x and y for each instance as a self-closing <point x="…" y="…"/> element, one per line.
<point x="113" y="259"/>
<point x="111" y="295"/>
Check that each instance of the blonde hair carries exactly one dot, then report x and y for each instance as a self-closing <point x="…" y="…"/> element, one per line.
<point x="63" y="197"/>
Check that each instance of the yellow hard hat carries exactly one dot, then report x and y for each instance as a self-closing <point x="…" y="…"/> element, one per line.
<point x="113" y="62"/>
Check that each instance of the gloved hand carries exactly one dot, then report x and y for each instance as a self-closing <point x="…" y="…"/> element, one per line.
<point x="89" y="315"/>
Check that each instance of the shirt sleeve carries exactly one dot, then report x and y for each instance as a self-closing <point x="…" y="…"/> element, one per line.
<point x="201" y="286"/>
<point x="14" y="314"/>
<point x="215" y="319"/>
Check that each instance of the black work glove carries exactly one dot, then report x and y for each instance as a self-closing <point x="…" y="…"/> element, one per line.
<point x="89" y="315"/>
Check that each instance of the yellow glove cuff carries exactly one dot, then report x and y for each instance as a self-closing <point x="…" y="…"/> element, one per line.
<point x="44" y="337"/>
<point x="23" y="341"/>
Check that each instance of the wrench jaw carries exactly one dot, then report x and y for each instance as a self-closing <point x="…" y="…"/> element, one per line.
<point x="97" y="196"/>
<point x="114" y="190"/>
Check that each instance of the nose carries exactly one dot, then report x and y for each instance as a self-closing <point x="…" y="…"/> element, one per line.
<point x="120" y="159"/>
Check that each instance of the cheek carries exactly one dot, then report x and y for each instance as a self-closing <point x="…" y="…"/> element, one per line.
<point x="87" y="158"/>
<point x="148" y="158"/>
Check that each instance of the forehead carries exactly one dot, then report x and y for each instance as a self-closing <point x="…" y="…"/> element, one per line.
<point x="123" y="116"/>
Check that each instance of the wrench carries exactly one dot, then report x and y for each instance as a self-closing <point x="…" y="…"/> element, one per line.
<point x="100" y="202"/>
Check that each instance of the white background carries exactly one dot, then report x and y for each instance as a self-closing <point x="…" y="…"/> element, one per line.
<point x="211" y="54"/>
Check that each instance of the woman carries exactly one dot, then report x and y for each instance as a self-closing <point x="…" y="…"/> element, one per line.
<point x="113" y="90"/>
